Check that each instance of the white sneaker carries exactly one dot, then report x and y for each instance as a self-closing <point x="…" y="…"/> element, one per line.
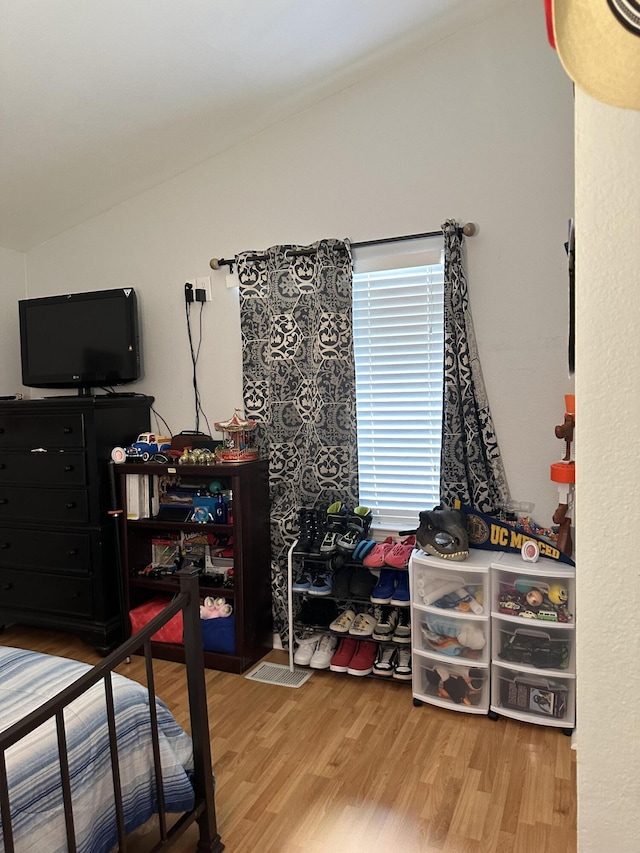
<point x="305" y="650"/>
<point x="402" y="668"/>
<point x="321" y="658"/>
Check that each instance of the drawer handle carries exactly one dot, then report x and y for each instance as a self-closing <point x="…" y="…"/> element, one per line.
<point x="7" y="586"/>
<point x="75" y="595"/>
<point x="5" y="545"/>
<point x="67" y="430"/>
<point x="72" y="552"/>
<point x="71" y="505"/>
<point x="68" y="467"/>
<point x="4" y="500"/>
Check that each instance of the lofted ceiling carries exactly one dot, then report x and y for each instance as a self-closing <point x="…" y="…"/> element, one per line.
<point x="103" y="99"/>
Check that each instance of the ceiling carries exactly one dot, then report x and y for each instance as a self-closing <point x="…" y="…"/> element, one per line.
<point x="103" y="99"/>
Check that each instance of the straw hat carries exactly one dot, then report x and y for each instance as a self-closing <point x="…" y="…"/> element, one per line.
<point x="598" y="42"/>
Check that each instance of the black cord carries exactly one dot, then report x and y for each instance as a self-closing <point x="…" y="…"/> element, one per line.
<point x="194" y="360"/>
<point x="160" y="418"/>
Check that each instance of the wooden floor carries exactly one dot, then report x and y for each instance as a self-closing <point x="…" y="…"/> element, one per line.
<point x="349" y="764"/>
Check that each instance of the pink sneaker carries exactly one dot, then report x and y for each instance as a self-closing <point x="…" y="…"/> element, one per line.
<point x="375" y="559"/>
<point x="398" y="556"/>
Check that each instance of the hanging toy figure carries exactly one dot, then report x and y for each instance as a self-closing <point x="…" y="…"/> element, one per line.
<point x="564" y="474"/>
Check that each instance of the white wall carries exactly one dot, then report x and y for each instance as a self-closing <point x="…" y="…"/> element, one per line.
<point x="478" y="128"/>
<point x="608" y="477"/>
<point x="12" y="288"/>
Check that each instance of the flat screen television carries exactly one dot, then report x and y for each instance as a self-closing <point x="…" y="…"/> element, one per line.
<point x="80" y="340"/>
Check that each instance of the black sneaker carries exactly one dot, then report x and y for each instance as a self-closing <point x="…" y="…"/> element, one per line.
<point x="362" y="583"/>
<point x="308" y="530"/>
<point x="402" y="631"/>
<point x="385" y="661"/>
<point x="387" y="618"/>
<point x="341" y="582"/>
<point x="320" y="584"/>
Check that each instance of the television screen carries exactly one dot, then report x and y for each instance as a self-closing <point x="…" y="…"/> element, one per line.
<point x="80" y="340"/>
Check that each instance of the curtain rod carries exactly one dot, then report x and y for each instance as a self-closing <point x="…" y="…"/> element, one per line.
<point x="468" y="229"/>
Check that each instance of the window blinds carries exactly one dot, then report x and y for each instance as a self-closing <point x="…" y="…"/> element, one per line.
<point x="398" y="343"/>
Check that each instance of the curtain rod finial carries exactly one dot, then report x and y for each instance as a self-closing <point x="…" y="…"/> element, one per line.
<point x="214" y="263"/>
<point x="469" y="229"/>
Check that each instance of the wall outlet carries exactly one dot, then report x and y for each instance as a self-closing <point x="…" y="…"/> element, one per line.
<point x="204" y="283"/>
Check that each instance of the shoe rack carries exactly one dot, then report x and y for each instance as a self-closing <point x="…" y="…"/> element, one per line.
<point x="339" y="597"/>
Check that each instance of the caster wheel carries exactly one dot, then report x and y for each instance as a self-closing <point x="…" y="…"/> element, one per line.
<point x="493" y="716"/>
<point x="417" y="703"/>
<point x="567" y="732"/>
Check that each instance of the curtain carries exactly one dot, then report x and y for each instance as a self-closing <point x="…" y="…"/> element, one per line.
<point x="471" y="468"/>
<point x="299" y="385"/>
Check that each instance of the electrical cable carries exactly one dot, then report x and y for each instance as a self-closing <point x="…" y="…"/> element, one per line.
<point x="194" y="360"/>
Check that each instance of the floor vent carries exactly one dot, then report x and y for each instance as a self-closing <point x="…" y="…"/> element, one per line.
<point x="280" y="674"/>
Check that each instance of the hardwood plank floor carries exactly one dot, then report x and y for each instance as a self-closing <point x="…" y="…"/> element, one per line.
<point x="345" y="763"/>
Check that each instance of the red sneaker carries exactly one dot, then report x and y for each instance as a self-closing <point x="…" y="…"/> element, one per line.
<point x="398" y="556"/>
<point x="364" y="658"/>
<point x="343" y="655"/>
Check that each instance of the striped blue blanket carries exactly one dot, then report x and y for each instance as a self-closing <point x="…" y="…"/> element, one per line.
<point x="27" y="679"/>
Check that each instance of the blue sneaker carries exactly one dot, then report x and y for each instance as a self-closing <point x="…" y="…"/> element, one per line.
<point x="320" y="584"/>
<point x="401" y="597"/>
<point x="302" y="582"/>
<point x="383" y="590"/>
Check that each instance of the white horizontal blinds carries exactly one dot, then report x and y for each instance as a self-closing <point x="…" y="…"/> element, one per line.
<point x="398" y="342"/>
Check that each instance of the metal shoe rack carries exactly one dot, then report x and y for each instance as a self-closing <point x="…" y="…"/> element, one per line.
<point x="359" y="604"/>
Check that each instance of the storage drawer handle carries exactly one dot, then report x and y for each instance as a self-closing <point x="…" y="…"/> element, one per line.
<point x="7" y="586"/>
<point x="5" y="545"/>
<point x="75" y="595"/>
<point x="4" y="500"/>
<point x="71" y="505"/>
<point x="68" y="467"/>
<point x="67" y="430"/>
<point x="72" y="552"/>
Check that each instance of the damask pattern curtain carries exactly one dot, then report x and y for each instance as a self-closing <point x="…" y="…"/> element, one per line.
<point x="299" y="384"/>
<point x="471" y="468"/>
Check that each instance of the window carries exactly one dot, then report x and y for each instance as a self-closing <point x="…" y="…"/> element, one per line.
<point x="398" y="342"/>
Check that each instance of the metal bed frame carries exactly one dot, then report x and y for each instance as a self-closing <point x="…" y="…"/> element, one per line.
<point x="203" y="812"/>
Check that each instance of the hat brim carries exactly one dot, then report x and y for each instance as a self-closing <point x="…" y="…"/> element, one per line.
<point x="601" y="56"/>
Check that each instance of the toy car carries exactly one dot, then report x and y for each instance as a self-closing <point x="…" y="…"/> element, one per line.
<point x="143" y="448"/>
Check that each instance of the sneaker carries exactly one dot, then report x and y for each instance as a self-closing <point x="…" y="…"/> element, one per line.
<point x="342" y="582"/>
<point x="302" y="582"/>
<point x="402" y="631"/>
<point x="321" y="658"/>
<point x="342" y="624"/>
<point x="363" y="625"/>
<point x="336" y="525"/>
<point x="362" y="661"/>
<point x="307" y="530"/>
<point x="355" y="530"/>
<point x="385" y="661"/>
<point x="383" y="592"/>
<point x="387" y="617"/>
<point x="401" y="597"/>
<point x="343" y="655"/>
<point x="375" y="559"/>
<point x="402" y="668"/>
<point x="320" y="584"/>
<point x="362" y="583"/>
<point x="398" y="556"/>
<point x="305" y="650"/>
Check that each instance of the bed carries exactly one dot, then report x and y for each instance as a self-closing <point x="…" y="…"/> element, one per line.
<point x="88" y="755"/>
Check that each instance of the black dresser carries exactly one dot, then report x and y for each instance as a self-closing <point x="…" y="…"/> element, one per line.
<point x="58" y="543"/>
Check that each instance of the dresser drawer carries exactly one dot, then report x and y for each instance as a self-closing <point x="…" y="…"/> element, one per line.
<point x="43" y="593"/>
<point x="53" y="468"/>
<point x="46" y="506"/>
<point x="51" y="431"/>
<point x="47" y="551"/>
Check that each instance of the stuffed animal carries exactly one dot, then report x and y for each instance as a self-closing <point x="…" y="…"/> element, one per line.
<point x="451" y="639"/>
<point x="215" y="608"/>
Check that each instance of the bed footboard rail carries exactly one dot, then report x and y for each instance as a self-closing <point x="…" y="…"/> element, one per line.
<point x="187" y="601"/>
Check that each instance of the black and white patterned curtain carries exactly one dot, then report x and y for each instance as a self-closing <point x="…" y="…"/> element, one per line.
<point x="299" y="384"/>
<point x="471" y="468"/>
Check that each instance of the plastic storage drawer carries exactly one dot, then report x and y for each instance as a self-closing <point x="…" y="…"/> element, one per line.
<point x="536" y="696"/>
<point x="460" y="586"/>
<point x="539" y="646"/>
<point x="543" y="592"/>
<point x="453" y="636"/>
<point x="460" y="687"/>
